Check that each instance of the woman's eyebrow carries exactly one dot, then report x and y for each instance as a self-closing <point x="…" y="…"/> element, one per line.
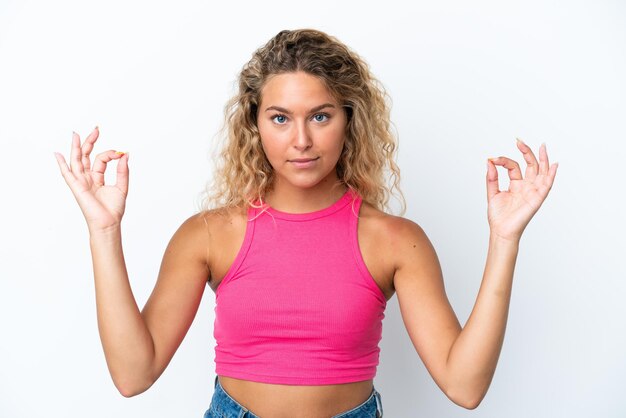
<point x="315" y="109"/>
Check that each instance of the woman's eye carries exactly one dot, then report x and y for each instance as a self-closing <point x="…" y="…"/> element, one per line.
<point x="279" y="119"/>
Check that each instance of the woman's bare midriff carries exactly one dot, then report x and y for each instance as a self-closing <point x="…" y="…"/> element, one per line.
<point x="296" y="401"/>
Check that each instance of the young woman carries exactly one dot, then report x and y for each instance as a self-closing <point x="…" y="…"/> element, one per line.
<point x="295" y="243"/>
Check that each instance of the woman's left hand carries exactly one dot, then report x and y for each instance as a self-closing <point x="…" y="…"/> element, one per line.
<point x="510" y="211"/>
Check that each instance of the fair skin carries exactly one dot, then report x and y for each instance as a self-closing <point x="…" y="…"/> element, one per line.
<point x="303" y="146"/>
<point x="302" y="131"/>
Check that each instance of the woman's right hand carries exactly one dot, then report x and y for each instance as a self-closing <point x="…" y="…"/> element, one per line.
<point x="103" y="206"/>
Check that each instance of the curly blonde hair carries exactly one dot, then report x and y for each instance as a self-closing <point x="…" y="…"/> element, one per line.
<point x="366" y="165"/>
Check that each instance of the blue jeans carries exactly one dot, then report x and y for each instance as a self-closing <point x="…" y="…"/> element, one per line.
<point x="223" y="406"/>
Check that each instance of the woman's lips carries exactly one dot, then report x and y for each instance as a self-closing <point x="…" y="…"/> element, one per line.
<point x="303" y="162"/>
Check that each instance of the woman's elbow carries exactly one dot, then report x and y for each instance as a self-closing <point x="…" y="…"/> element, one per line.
<point x="469" y="403"/>
<point x="466" y="399"/>
<point x="131" y="387"/>
<point x="129" y="392"/>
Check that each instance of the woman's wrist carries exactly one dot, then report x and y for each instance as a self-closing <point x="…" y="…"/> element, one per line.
<point x="112" y="232"/>
<point x="498" y="240"/>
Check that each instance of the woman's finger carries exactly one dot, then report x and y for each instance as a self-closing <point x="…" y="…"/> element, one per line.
<point x="492" y="180"/>
<point x="548" y="180"/>
<point x="76" y="164"/>
<point x="88" y="147"/>
<point x="544" y="163"/>
<point x="532" y="166"/>
<point x="511" y="165"/>
<point x="121" y="181"/>
<point x="552" y="174"/>
<point x="65" y="170"/>
<point x="100" y="165"/>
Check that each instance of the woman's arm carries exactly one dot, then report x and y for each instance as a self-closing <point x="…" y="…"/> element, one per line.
<point x="126" y="340"/>
<point x="462" y="361"/>
<point x="137" y="345"/>
<point x="474" y="354"/>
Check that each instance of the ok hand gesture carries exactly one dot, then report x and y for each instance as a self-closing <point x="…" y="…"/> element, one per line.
<point x="510" y="211"/>
<point x="103" y="206"/>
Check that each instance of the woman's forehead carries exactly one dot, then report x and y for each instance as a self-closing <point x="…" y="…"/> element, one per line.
<point x="297" y="89"/>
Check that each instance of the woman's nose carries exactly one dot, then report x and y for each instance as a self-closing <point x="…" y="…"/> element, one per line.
<point x="302" y="139"/>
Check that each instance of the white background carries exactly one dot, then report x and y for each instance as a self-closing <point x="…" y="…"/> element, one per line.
<point x="466" y="78"/>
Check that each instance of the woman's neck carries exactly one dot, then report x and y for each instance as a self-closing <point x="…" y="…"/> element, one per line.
<point x="290" y="199"/>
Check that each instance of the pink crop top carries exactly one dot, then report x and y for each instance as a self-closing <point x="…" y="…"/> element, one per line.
<point x="298" y="305"/>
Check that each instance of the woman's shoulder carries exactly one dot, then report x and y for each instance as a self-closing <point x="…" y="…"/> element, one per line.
<point x="217" y="217"/>
<point x="385" y="220"/>
<point x="204" y="226"/>
<point x="225" y="230"/>
<point x="389" y="228"/>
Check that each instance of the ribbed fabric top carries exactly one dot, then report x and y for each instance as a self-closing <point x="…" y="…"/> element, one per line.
<point x="298" y="305"/>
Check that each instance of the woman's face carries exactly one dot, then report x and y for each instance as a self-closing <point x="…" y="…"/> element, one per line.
<point x="302" y="129"/>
